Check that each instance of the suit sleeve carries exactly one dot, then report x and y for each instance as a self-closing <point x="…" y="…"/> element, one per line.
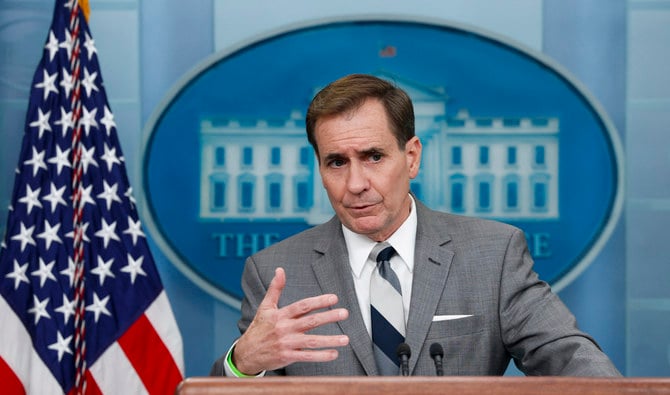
<point x="254" y="287"/>
<point x="537" y="328"/>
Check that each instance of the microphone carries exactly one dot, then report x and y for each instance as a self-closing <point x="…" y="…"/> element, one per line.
<point x="437" y="353"/>
<point x="403" y="352"/>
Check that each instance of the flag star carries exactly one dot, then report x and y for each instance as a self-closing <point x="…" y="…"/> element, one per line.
<point x="89" y="82"/>
<point x="61" y="345"/>
<point x="109" y="195"/>
<point x="67" y="309"/>
<point x="99" y="306"/>
<point x="86" y="195"/>
<point x="31" y="198"/>
<point x="110" y="157"/>
<point x="134" y="229"/>
<point x="103" y="270"/>
<point x="66" y="82"/>
<point x="129" y="195"/>
<point x="39" y="308"/>
<point x="89" y="43"/>
<point x="65" y="121"/>
<point x="68" y="43"/>
<point x="84" y="228"/>
<point x="37" y="161"/>
<point x="25" y="236"/>
<point x="55" y="197"/>
<point x="107" y="232"/>
<point x="134" y="268"/>
<point x="48" y="83"/>
<point x="52" y="45"/>
<point x="88" y="158"/>
<point x="61" y="159"/>
<point x="19" y="274"/>
<point x="108" y="120"/>
<point x="50" y="234"/>
<point x="69" y="272"/>
<point x="44" y="272"/>
<point x="42" y="122"/>
<point x="88" y="119"/>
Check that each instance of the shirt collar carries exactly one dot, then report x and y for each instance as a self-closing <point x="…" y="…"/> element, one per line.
<point x="403" y="241"/>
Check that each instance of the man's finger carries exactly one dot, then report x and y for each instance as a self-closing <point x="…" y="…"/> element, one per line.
<point x="308" y="305"/>
<point x="307" y="342"/>
<point x="312" y="355"/>
<point x="311" y="321"/>
<point x="271" y="299"/>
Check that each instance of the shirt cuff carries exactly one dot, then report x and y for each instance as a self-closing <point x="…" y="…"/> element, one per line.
<point x="231" y="369"/>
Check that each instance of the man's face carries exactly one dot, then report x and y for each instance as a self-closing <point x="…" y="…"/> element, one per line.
<point x="364" y="172"/>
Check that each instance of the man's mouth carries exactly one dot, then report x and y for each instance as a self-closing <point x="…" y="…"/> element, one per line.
<point x="361" y="207"/>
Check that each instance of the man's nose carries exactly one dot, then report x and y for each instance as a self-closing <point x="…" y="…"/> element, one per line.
<point x="357" y="180"/>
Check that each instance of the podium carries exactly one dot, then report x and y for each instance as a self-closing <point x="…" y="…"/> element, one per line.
<point x="295" y="385"/>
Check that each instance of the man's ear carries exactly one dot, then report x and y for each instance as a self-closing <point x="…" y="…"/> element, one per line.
<point x="413" y="149"/>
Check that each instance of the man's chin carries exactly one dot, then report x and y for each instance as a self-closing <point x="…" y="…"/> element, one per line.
<point x="364" y="226"/>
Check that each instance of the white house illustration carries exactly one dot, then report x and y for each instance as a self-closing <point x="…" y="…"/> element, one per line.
<point x="260" y="170"/>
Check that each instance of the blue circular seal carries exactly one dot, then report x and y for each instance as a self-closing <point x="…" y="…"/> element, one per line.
<point x="507" y="134"/>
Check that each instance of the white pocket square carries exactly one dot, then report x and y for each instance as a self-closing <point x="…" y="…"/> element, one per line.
<point x="450" y="317"/>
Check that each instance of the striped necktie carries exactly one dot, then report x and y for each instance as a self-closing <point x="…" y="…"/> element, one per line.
<point x="386" y="311"/>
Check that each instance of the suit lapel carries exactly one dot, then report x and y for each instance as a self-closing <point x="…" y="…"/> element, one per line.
<point x="432" y="261"/>
<point x="333" y="273"/>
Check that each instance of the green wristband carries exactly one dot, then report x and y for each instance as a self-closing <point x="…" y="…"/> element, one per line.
<point x="232" y="366"/>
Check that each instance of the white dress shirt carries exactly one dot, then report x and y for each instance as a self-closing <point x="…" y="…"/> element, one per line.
<point x="402" y="263"/>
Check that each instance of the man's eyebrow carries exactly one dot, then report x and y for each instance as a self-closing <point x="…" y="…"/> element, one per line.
<point x="363" y="153"/>
<point x="372" y="151"/>
<point x="332" y="156"/>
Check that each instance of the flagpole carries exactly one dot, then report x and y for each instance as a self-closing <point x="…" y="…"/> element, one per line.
<point x="79" y="284"/>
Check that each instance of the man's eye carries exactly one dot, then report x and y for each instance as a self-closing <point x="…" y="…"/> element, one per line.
<point x="336" y="163"/>
<point x="376" y="157"/>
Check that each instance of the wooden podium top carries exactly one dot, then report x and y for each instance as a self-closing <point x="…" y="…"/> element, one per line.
<point x="295" y="385"/>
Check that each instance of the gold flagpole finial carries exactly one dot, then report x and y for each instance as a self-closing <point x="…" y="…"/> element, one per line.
<point x="85" y="8"/>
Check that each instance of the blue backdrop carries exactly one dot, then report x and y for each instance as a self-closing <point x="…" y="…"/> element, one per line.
<point x="610" y="47"/>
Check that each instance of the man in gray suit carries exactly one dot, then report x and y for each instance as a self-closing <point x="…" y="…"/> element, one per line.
<point x="467" y="284"/>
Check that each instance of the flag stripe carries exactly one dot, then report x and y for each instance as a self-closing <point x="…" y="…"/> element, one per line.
<point x="18" y="354"/>
<point x="114" y="373"/>
<point x="150" y="357"/>
<point x="10" y="383"/>
<point x="91" y="386"/>
<point x="162" y="319"/>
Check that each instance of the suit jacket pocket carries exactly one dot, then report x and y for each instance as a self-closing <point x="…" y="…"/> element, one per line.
<point x="456" y="327"/>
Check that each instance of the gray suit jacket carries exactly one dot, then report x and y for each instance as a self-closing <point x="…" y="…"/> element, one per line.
<point x="463" y="266"/>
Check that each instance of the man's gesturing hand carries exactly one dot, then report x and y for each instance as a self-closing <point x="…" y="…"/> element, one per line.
<point x="276" y="337"/>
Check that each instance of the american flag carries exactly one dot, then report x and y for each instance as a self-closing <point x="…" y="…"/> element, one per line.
<point x="82" y="307"/>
